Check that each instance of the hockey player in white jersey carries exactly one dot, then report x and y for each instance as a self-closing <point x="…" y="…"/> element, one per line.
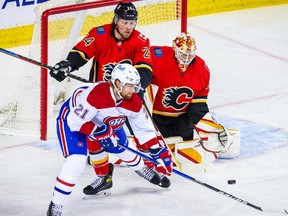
<point x="92" y="119"/>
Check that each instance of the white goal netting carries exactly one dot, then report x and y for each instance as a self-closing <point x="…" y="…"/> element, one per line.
<point x="158" y="19"/>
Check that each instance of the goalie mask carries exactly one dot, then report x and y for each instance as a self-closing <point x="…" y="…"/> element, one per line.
<point x="184" y="47"/>
<point x="126" y="74"/>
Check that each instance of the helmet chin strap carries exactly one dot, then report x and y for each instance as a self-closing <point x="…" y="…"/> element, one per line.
<point x="116" y="19"/>
<point x="122" y="38"/>
<point x="118" y="92"/>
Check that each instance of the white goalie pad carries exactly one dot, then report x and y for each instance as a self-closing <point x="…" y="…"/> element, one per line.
<point x="193" y="158"/>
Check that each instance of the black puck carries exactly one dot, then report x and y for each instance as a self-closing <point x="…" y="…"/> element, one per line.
<point x="231" y="181"/>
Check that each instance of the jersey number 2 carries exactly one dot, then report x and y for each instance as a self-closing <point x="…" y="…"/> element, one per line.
<point x="146" y="52"/>
<point x="80" y="111"/>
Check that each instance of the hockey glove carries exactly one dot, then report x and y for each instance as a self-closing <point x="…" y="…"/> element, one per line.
<point x="141" y="93"/>
<point x="60" y="70"/>
<point x="159" y="168"/>
<point x="111" y="142"/>
<point x="163" y="154"/>
<point x="105" y="135"/>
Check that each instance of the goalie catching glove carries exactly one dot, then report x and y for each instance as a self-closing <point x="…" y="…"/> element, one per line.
<point x="60" y="70"/>
<point x="163" y="154"/>
<point x="214" y="137"/>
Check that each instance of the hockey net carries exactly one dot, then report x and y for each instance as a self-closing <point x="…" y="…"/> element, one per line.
<point x="58" y="27"/>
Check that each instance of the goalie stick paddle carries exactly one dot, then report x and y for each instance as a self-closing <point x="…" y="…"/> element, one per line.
<point x="228" y="195"/>
<point x="32" y="61"/>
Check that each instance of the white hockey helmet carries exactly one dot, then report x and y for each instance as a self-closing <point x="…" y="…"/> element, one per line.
<point x="184" y="47"/>
<point x="126" y="73"/>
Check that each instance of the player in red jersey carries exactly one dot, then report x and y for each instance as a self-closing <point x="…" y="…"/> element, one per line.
<point x="93" y="117"/>
<point x="108" y="45"/>
<point x="183" y="81"/>
<point x="180" y="104"/>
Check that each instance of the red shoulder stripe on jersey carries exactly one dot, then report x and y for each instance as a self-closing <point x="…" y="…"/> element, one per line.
<point x="100" y="96"/>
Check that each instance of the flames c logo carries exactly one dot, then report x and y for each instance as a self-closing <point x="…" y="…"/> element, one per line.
<point x="108" y="68"/>
<point x="177" y="98"/>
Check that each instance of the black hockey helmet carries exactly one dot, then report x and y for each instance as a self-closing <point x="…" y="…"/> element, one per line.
<point x="126" y="10"/>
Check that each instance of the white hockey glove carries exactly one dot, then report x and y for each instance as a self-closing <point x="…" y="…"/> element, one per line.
<point x="60" y="70"/>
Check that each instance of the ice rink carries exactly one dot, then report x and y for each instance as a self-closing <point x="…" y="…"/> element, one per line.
<point x="247" y="53"/>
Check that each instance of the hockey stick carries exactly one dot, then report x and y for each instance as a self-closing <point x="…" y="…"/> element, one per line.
<point x="228" y="195"/>
<point x="32" y="61"/>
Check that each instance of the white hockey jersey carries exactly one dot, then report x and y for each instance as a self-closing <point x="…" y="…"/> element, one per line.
<point x="94" y="105"/>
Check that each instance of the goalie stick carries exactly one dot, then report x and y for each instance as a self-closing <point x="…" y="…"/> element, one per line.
<point x="40" y="64"/>
<point x="228" y="195"/>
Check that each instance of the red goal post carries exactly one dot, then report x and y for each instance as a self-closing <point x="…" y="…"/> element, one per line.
<point x="58" y="27"/>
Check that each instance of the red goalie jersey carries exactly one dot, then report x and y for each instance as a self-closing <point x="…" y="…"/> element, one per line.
<point x="177" y="89"/>
<point x="106" y="51"/>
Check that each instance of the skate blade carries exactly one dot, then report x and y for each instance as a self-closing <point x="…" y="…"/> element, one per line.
<point x="99" y="195"/>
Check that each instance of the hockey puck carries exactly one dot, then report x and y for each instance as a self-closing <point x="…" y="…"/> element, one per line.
<point x="231" y="181"/>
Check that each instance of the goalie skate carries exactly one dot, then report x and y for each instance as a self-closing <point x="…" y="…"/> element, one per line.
<point x="99" y="195"/>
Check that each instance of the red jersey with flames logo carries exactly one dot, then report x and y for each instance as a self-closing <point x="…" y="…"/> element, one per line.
<point x="177" y="90"/>
<point x="106" y="51"/>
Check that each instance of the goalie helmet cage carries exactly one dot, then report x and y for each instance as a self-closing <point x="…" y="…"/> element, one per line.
<point x="58" y="27"/>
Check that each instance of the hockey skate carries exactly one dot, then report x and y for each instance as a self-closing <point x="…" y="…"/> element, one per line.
<point x="164" y="181"/>
<point x="54" y="210"/>
<point x="150" y="175"/>
<point x="100" y="185"/>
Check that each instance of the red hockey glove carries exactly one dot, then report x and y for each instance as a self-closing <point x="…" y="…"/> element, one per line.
<point x="163" y="154"/>
<point x="159" y="168"/>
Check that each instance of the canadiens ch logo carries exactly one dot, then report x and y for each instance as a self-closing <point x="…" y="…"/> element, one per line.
<point x="177" y="97"/>
<point x="115" y="121"/>
<point x="107" y="68"/>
